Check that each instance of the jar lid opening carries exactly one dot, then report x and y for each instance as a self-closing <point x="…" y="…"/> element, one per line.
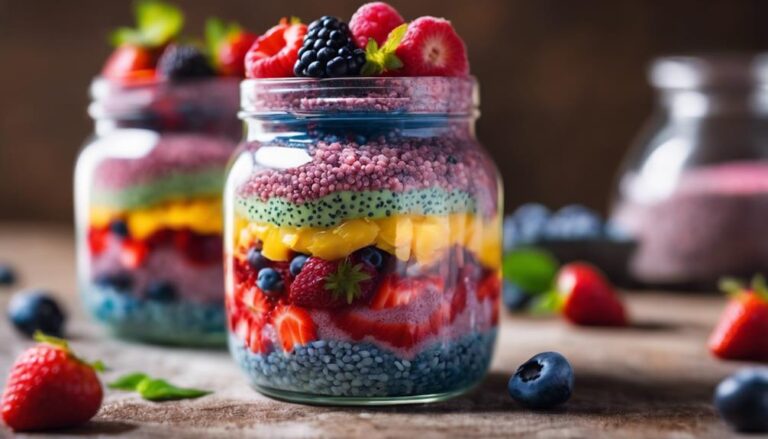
<point x="717" y="70"/>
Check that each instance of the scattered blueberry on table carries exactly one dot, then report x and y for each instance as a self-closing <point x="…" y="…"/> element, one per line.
<point x="514" y="297"/>
<point x="742" y="400"/>
<point x="35" y="310"/>
<point x="545" y="381"/>
<point x="7" y="275"/>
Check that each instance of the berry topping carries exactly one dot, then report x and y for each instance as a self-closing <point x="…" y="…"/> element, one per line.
<point x="7" y="275"/>
<point x="274" y="54"/>
<point x="395" y="291"/>
<point x="373" y="257"/>
<point x="50" y="388"/>
<point x="742" y="400"/>
<point x="255" y="259"/>
<point x="297" y="263"/>
<point x="431" y="47"/>
<point x="328" y="51"/>
<point x="543" y="382"/>
<point x="161" y="291"/>
<point x="180" y="62"/>
<point x="270" y="281"/>
<point x="97" y="240"/>
<point x="32" y="311"/>
<point x="130" y="64"/>
<point x="294" y="326"/>
<point x="373" y="20"/>
<point x="331" y="284"/>
<point x="383" y="59"/>
<point x="740" y="333"/>
<point x="227" y="45"/>
<point x="119" y="228"/>
<point x="587" y="298"/>
<point x="133" y="253"/>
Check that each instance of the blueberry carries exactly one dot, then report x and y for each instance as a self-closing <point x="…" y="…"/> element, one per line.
<point x="514" y="297"/>
<point x="742" y="400"/>
<point x="255" y="259"/>
<point x="544" y="381"/>
<point x="530" y="220"/>
<point x="35" y="310"/>
<point x="574" y="222"/>
<point x="119" y="228"/>
<point x="161" y="291"/>
<point x="373" y="257"/>
<point x="297" y="263"/>
<point x="121" y="282"/>
<point x="270" y="281"/>
<point x="7" y="275"/>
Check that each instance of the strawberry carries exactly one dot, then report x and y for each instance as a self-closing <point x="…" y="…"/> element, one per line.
<point x="294" y="326"/>
<point x="130" y="64"/>
<point x="395" y="291"/>
<point x="50" y="388"/>
<point x="97" y="239"/>
<point x="740" y="334"/>
<point x="228" y="44"/>
<point x="431" y="47"/>
<point x="373" y="20"/>
<point x="332" y="284"/>
<point x="198" y="248"/>
<point x="273" y="54"/>
<point x="133" y="253"/>
<point x="587" y="298"/>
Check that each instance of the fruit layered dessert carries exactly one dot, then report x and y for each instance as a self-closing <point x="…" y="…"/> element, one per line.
<point x="363" y="235"/>
<point x="148" y="186"/>
<point x="710" y="225"/>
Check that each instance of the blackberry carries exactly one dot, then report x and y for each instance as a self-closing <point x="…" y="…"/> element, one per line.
<point x="328" y="51"/>
<point x="180" y="62"/>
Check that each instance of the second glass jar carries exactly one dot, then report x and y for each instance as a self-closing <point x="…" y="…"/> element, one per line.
<point x="363" y="240"/>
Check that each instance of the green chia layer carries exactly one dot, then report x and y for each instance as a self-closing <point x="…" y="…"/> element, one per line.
<point x="335" y="208"/>
<point x="174" y="186"/>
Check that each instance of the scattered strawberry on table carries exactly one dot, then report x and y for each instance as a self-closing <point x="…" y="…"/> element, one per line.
<point x="49" y="388"/>
<point x="743" y="326"/>
<point x="587" y="298"/>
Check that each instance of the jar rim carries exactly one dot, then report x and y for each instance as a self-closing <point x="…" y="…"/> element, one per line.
<point x="735" y="70"/>
<point x="436" y="95"/>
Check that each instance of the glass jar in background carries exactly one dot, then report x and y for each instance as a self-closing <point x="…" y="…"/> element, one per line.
<point x="148" y="208"/>
<point x="694" y="190"/>
<point x="363" y="240"/>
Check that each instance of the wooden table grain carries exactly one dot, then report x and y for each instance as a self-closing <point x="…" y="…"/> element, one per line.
<point x="654" y="380"/>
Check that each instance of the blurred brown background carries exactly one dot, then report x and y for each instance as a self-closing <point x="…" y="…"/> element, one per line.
<point x="563" y="82"/>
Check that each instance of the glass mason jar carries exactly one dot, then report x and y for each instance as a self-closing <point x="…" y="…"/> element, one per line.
<point x="363" y="240"/>
<point x="694" y="191"/>
<point x="148" y="208"/>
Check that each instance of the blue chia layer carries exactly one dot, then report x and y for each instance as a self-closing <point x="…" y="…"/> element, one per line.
<point x="175" y="322"/>
<point x="334" y="368"/>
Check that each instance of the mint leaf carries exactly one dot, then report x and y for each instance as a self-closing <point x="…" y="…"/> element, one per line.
<point x="161" y="390"/>
<point x="382" y="59"/>
<point x="153" y="389"/>
<point x="394" y="38"/>
<point x="126" y="35"/>
<point x="158" y="22"/>
<point x="546" y="303"/>
<point x="128" y="382"/>
<point x="531" y="269"/>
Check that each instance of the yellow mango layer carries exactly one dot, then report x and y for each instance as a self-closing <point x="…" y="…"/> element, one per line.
<point x="200" y="215"/>
<point x="423" y="238"/>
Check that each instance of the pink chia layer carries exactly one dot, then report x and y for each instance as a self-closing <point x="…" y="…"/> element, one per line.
<point x="193" y="282"/>
<point x="166" y="155"/>
<point x="445" y="162"/>
<point x="432" y="95"/>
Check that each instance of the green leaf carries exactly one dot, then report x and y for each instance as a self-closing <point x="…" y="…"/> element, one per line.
<point x="41" y="337"/>
<point x="371" y="47"/>
<point x="126" y="35"/>
<point x="394" y="38"/>
<point x="531" y="269"/>
<point x="382" y="59"/>
<point x="161" y="390"/>
<point x="371" y="69"/>
<point x="158" y="22"/>
<point x="546" y="303"/>
<point x="128" y="382"/>
<point x="730" y="286"/>
<point x="345" y="282"/>
<point x="215" y="34"/>
<point x="392" y="63"/>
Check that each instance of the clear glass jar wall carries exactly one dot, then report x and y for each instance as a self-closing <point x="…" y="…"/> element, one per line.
<point x="148" y="206"/>
<point x="694" y="190"/>
<point x="362" y="230"/>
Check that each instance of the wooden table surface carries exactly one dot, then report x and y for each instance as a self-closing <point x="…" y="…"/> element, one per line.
<point x="652" y="380"/>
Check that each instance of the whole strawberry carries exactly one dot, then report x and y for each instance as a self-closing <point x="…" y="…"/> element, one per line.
<point x="50" y="388"/>
<point x="741" y="332"/>
<point x="587" y="298"/>
<point x="332" y="284"/>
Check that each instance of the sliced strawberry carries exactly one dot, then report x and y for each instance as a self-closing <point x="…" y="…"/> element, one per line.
<point x="395" y="291"/>
<point x="273" y="54"/>
<point x="490" y="287"/>
<point x="294" y="326"/>
<point x="431" y="47"/>
<point x="588" y="298"/>
<point x="97" y="240"/>
<point x="332" y="284"/>
<point x="131" y="64"/>
<point x="133" y="253"/>
<point x="198" y="248"/>
<point x="741" y="331"/>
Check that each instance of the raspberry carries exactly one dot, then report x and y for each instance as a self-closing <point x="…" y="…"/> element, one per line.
<point x="328" y="51"/>
<point x="374" y="20"/>
<point x="431" y="47"/>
